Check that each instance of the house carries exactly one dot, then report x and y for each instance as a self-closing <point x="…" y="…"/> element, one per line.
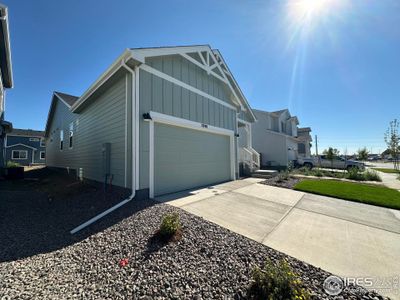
<point x="157" y="121"/>
<point x="276" y="137"/>
<point x="6" y="78"/>
<point x="304" y="144"/>
<point x="26" y="147"/>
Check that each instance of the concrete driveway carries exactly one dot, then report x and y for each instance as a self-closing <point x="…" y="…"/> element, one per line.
<point x="346" y="238"/>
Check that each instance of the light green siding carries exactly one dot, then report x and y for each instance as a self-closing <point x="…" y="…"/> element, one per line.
<point x="102" y="122"/>
<point x="187" y="158"/>
<point x="160" y="95"/>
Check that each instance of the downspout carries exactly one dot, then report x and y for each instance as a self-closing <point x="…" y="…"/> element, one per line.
<point x="132" y="196"/>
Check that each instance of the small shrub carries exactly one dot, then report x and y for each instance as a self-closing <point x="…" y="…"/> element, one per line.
<point x="276" y="281"/>
<point x="170" y="225"/>
<point x="354" y="174"/>
<point x="318" y="173"/>
<point x="372" y="175"/>
<point x="11" y="164"/>
<point x="283" y="176"/>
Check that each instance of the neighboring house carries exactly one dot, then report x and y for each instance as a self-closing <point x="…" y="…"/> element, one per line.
<point x="157" y="121"/>
<point x="6" y="79"/>
<point x="304" y="144"/>
<point x="275" y="137"/>
<point x="26" y="147"/>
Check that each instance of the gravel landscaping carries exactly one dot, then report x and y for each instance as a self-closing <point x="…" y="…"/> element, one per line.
<point x="288" y="183"/>
<point x="119" y="258"/>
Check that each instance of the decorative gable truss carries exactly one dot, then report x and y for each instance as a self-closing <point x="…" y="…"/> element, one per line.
<point x="210" y="63"/>
<point x="209" y="60"/>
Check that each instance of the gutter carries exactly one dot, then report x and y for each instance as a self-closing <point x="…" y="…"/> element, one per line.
<point x="134" y="156"/>
<point x="6" y="34"/>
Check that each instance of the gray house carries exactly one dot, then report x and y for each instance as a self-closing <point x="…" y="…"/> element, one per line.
<point x="26" y="147"/>
<point x="157" y="121"/>
<point x="278" y="139"/>
<point x="6" y="79"/>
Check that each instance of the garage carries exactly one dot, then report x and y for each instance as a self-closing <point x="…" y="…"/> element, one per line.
<point x="186" y="158"/>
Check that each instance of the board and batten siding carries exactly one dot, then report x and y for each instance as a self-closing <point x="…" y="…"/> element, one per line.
<point x="102" y="122"/>
<point x="160" y="95"/>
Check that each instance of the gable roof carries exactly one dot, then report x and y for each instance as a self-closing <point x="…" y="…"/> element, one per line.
<point x="23" y="145"/>
<point x="207" y="59"/>
<point x="5" y="49"/>
<point x="280" y="112"/>
<point x="68" y="99"/>
<point x="304" y="129"/>
<point x="27" y="132"/>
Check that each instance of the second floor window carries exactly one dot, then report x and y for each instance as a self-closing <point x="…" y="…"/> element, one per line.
<point x="71" y="134"/>
<point x="61" y="139"/>
<point x="42" y="142"/>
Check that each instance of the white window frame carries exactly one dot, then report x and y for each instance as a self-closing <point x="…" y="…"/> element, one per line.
<point x="61" y="140"/>
<point x="179" y="122"/>
<point x="42" y="142"/>
<point x="34" y="139"/>
<point x="13" y="151"/>
<point x="42" y="158"/>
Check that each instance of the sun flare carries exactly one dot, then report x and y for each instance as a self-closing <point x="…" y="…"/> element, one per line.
<point x="309" y="9"/>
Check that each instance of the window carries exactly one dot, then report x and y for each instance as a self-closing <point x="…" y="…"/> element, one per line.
<point x="42" y="155"/>
<point x="61" y="139"/>
<point x="33" y="139"/>
<point x="71" y="134"/>
<point x="42" y="142"/>
<point x="302" y="148"/>
<point x="19" y="154"/>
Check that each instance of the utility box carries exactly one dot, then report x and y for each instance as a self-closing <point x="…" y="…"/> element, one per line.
<point x="106" y="154"/>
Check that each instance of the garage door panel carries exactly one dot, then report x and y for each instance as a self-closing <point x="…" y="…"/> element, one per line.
<point x="186" y="158"/>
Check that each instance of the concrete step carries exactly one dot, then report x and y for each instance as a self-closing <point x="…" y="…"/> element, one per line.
<point x="264" y="174"/>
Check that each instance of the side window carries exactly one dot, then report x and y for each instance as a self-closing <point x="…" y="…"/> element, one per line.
<point x="42" y="142"/>
<point x="61" y="139"/>
<point x="71" y="134"/>
<point x="42" y="155"/>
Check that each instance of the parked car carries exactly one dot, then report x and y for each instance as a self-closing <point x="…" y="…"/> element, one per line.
<point x="336" y="163"/>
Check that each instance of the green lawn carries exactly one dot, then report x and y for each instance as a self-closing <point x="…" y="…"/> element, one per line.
<point x="386" y="170"/>
<point x="370" y="194"/>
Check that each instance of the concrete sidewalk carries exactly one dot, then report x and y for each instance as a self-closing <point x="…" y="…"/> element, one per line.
<point x="342" y="237"/>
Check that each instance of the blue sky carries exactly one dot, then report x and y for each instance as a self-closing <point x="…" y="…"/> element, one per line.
<point x="336" y="65"/>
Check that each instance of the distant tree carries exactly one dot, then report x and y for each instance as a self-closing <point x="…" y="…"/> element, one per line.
<point x="362" y="154"/>
<point x="392" y="140"/>
<point x="331" y="153"/>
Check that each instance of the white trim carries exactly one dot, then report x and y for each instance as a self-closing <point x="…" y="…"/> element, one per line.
<point x="111" y="70"/>
<point x="174" y="121"/>
<point x="26" y="151"/>
<point x="126" y="131"/>
<point x="151" y="159"/>
<point x="40" y="155"/>
<point x="206" y="68"/>
<point x="136" y="99"/>
<point x="170" y="120"/>
<point x="135" y="127"/>
<point x="222" y="61"/>
<point x="162" y="75"/>
<point x="20" y="144"/>
<point x="27" y="136"/>
<point x="62" y="100"/>
<point x="243" y="121"/>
